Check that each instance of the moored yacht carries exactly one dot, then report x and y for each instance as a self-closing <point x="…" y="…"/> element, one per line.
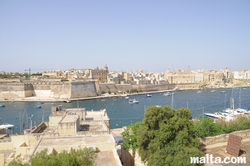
<point x="216" y="115"/>
<point x="6" y="126"/>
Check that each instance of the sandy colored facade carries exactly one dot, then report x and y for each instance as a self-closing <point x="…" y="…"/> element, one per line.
<point x="67" y="128"/>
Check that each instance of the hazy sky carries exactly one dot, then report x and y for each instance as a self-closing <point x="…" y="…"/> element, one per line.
<point x="127" y="35"/>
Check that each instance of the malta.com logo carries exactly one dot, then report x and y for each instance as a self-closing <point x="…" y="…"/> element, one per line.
<point x="210" y="159"/>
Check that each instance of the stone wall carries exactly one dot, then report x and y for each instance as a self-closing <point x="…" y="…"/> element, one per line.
<point x="28" y="90"/>
<point x="12" y="90"/>
<point x="122" y="88"/>
<point x="223" y="138"/>
<point x="61" y="89"/>
<point x="70" y="126"/>
<point x="83" y="89"/>
<point x="130" y="158"/>
<point x="188" y="86"/>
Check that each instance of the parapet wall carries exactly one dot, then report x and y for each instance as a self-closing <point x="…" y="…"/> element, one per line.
<point x="223" y="138"/>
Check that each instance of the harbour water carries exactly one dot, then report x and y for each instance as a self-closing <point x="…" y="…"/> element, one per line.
<point x="122" y="113"/>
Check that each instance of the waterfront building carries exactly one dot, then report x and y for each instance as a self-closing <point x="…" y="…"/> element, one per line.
<point x="70" y="128"/>
<point x="180" y="77"/>
<point x="244" y="74"/>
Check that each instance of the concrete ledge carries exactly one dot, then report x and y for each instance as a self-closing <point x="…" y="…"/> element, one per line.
<point x="221" y="140"/>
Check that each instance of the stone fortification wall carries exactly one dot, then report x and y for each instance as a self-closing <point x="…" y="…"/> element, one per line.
<point x="12" y="90"/>
<point x="61" y="89"/>
<point x="188" y="86"/>
<point x="83" y="89"/>
<point x="127" y="87"/>
<point x="42" y="89"/>
<point x="28" y="90"/>
<point x="57" y="90"/>
<point x="9" y="80"/>
<point x="148" y="88"/>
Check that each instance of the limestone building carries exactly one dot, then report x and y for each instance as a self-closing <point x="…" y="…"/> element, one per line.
<point x="67" y="128"/>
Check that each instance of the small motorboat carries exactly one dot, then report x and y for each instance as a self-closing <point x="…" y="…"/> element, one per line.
<point x="38" y="106"/>
<point x="168" y="94"/>
<point x="2" y="105"/>
<point x="134" y="101"/>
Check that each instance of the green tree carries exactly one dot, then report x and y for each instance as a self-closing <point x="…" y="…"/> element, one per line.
<point x="17" y="162"/>
<point x="167" y="137"/>
<point x="81" y="157"/>
<point x="206" y="127"/>
<point x="130" y="136"/>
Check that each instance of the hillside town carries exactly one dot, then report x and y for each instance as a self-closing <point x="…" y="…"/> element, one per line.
<point x="76" y="128"/>
<point x="213" y="78"/>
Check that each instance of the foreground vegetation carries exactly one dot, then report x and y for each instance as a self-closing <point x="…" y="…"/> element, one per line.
<point x="168" y="136"/>
<point x="82" y="157"/>
<point x="206" y="127"/>
<point x="164" y="137"/>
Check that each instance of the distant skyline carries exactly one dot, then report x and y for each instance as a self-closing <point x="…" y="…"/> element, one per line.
<point x="126" y="35"/>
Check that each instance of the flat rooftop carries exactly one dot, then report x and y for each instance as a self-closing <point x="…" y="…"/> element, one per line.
<point x="96" y="115"/>
<point x="105" y="145"/>
<point x="105" y="158"/>
<point x="77" y="141"/>
<point x="69" y="119"/>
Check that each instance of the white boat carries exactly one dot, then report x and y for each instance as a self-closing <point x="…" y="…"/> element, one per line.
<point x="2" y="105"/>
<point x="148" y="95"/>
<point x="216" y="115"/>
<point x="237" y="111"/>
<point x="6" y="126"/>
<point x="213" y="90"/>
<point x="38" y="106"/>
<point x="134" y="101"/>
<point x="126" y="97"/>
<point x="199" y="91"/>
<point x="168" y="93"/>
<point x="67" y="101"/>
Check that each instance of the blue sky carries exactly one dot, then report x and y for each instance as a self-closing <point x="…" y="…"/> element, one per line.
<point x="127" y="35"/>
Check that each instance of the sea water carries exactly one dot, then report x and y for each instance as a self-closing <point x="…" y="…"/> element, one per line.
<point x="121" y="113"/>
